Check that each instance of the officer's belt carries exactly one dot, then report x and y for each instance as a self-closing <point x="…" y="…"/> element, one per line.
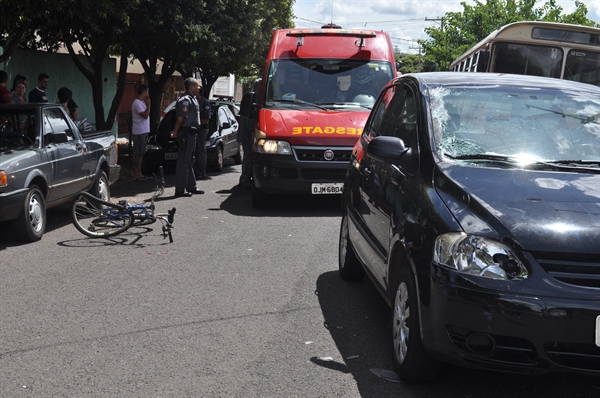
<point x="191" y="129"/>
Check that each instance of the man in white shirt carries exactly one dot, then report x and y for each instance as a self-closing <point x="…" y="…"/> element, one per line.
<point x="140" y="112"/>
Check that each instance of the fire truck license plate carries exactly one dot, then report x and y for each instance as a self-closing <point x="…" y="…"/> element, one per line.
<point x="598" y="330"/>
<point x="327" y="188"/>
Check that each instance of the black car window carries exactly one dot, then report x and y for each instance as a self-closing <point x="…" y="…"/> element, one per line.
<point x="233" y="110"/>
<point x="403" y="120"/>
<point x="230" y="117"/>
<point x="402" y="123"/>
<point x="222" y="116"/>
<point x="213" y="123"/>
<point x="380" y="112"/>
<point x="168" y="122"/>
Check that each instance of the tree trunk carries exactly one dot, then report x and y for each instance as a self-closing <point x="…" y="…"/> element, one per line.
<point x="209" y="82"/>
<point x="114" y="107"/>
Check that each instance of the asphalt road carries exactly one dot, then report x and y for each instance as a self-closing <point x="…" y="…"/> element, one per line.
<point x="244" y="303"/>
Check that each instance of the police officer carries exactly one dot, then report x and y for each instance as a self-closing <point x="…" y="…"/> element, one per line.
<point x="186" y="130"/>
<point x="200" y="155"/>
<point x="247" y="118"/>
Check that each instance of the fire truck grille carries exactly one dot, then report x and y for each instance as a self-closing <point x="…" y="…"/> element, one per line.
<point x="318" y="154"/>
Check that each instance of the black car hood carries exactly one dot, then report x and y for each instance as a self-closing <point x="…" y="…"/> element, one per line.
<point x="538" y="210"/>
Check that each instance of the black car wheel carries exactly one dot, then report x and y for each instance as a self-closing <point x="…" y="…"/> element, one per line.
<point x="218" y="163"/>
<point x="239" y="157"/>
<point x="411" y="362"/>
<point x="349" y="266"/>
<point x="31" y="224"/>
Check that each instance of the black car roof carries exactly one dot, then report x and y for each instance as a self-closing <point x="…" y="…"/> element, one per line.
<point x="487" y="79"/>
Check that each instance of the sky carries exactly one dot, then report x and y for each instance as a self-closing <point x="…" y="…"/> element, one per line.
<point x="404" y="20"/>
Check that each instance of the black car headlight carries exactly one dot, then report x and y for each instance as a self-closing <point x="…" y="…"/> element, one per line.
<point x="153" y="147"/>
<point x="477" y="255"/>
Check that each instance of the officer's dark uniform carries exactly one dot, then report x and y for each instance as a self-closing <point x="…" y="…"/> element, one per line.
<point x="200" y="155"/>
<point x="187" y="107"/>
<point x="247" y="118"/>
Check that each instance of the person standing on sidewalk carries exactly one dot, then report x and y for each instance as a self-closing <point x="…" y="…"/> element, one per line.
<point x="186" y="129"/>
<point x="5" y="97"/>
<point x="140" y="128"/>
<point x="38" y="94"/>
<point x="200" y="155"/>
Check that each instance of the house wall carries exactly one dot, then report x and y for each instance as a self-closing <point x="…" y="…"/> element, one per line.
<point x="63" y="73"/>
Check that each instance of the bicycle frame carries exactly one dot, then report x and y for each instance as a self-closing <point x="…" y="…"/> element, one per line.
<point x="109" y="219"/>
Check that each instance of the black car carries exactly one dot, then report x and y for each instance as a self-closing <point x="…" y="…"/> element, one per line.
<point x="472" y="201"/>
<point x="221" y="142"/>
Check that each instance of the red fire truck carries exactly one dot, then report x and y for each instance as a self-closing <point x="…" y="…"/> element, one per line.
<point x="318" y="88"/>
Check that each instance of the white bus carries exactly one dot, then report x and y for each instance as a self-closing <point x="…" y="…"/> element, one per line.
<point x="563" y="51"/>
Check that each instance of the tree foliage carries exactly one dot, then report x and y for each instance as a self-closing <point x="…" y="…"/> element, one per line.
<point x="218" y="36"/>
<point x="163" y="35"/>
<point x="413" y="63"/>
<point x="240" y="34"/>
<point x="20" y="21"/>
<point x="460" y="31"/>
<point x="98" y="28"/>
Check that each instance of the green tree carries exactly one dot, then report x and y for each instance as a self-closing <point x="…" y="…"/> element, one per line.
<point x="459" y="31"/>
<point x="20" y="20"/>
<point x="219" y="36"/>
<point x="98" y="28"/>
<point x="240" y="34"/>
<point x="162" y="35"/>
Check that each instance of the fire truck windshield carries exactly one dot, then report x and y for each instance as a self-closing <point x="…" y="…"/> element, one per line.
<point x="326" y="82"/>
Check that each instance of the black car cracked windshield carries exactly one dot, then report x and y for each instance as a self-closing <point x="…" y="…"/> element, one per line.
<point x="473" y="204"/>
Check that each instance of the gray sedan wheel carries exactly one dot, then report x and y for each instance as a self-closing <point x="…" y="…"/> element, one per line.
<point x="31" y="224"/>
<point x="101" y="188"/>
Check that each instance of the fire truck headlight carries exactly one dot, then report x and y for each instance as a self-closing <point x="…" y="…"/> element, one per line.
<point x="273" y="147"/>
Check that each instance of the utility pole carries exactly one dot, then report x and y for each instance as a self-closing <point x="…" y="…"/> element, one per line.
<point x="419" y="48"/>
<point x="443" y="35"/>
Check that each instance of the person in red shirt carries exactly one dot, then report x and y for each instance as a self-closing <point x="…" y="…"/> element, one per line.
<point x="5" y="97"/>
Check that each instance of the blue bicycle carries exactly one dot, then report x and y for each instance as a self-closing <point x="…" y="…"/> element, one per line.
<point x="97" y="218"/>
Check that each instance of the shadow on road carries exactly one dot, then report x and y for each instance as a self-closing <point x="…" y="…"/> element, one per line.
<point x="57" y="218"/>
<point x="359" y="322"/>
<point x="238" y="201"/>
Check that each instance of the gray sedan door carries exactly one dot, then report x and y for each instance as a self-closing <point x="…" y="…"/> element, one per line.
<point x="66" y="153"/>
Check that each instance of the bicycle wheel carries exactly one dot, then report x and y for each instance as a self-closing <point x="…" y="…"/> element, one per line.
<point x="99" y="219"/>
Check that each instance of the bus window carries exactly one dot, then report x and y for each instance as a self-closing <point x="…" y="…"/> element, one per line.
<point x="564" y="35"/>
<point x="583" y="66"/>
<point x="527" y="60"/>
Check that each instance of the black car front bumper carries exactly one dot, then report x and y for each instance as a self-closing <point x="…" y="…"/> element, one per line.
<point x="510" y="331"/>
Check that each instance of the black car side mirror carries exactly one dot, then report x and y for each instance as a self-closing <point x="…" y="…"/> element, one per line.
<point x="392" y="150"/>
<point x="386" y="149"/>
